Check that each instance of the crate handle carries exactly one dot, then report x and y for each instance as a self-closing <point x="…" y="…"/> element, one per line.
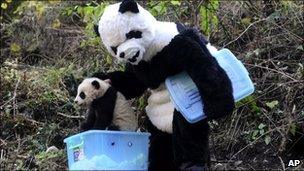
<point x="78" y="145"/>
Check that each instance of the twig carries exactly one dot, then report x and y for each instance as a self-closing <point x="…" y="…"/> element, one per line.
<point x="13" y="98"/>
<point x="250" y="144"/>
<point x="280" y="72"/>
<point x="282" y="163"/>
<point x="15" y="94"/>
<point x="29" y="119"/>
<point x="66" y="30"/>
<point x="3" y="142"/>
<point x="250" y="25"/>
<point x="71" y="116"/>
<point x="221" y="161"/>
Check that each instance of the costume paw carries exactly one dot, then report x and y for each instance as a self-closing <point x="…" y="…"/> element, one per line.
<point x="217" y="108"/>
<point x="191" y="33"/>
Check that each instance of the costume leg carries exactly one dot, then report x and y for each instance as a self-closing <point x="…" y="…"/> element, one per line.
<point x="160" y="150"/>
<point x="190" y="143"/>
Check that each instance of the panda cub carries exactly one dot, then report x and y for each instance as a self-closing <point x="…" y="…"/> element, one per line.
<point x="107" y="108"/>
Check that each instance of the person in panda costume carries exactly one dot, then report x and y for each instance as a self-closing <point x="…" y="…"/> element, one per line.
<point x="152" y="51"/>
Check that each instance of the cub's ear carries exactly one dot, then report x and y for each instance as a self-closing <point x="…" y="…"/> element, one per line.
<point x="108" y="81"/>
<point x="96" y="84"/>
<point x="96" y="30"/>
<point x="128" y="5"/>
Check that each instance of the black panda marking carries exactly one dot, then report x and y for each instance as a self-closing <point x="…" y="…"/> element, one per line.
<point x="82" y="95"/>
<point x="96" y="84"/>
<point x="128" y="5"/>
<point x="100" y="113"/>
<point x="134" y="34"/>
<point x="133" y="59"/>
<point x="96" y="30"/>
<point x="114" y="48"/>
<point x="122" y="55"/>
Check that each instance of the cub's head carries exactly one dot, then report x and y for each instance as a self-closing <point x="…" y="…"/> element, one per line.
<point x="126" y="30"/>
<point x="90" y="89"/>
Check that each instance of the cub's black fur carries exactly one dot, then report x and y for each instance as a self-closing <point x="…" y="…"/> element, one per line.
<point x="100" y="113"/>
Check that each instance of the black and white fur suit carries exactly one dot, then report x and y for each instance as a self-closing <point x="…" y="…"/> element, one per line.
<point x="154" y="50"/>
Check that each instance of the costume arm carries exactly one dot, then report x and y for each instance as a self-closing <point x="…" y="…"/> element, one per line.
<point x="125" y="82"/>
<point x="212" y="81"/>
<point x="188" y="52"/>
<point x="155" y="71"/>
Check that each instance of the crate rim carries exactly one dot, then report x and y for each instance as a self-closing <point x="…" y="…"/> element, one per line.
<point x="107" y="132"/>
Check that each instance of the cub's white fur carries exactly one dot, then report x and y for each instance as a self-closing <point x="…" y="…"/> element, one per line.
<point x="90" y="92"/>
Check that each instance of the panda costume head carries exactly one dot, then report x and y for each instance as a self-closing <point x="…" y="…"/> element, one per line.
<point x="89" y="90"/>
<point x="131" y="34"/>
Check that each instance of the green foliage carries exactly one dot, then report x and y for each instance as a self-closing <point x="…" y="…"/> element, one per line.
<point x="159" y="8"/>
<point x="142" y="103"/>
<point x="44" y="156"/>
<point x="250" y="101"/>
<point x="260" y="131"/>
<point x="272" y="104"/>
<point x="293" y="128"/>
<point x="209" y="20"/>
<point x="38" y="7"/>
<point x="90" y="15"/>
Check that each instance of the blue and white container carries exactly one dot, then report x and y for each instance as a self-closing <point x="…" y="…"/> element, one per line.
<point x="108" y="150"/>
<point x="185" y="95"/>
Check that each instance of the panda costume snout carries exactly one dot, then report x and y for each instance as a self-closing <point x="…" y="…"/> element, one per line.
<point x="130" y="51"/>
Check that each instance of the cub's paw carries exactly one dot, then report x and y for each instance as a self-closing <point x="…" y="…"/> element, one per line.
<point x="85" y="126"/>
<point x="113" y="128"/>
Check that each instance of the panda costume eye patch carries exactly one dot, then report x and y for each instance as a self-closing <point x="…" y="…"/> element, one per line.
<point x="82" y="95"/>
<point x="134" y="34"/>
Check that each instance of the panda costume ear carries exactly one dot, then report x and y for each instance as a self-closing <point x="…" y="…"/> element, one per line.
<point x="128" y="5"/>
<point x="96" y="84"/>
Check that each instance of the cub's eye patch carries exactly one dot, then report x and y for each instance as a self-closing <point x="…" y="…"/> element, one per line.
<point x="134" y="34"/>
<point x="96" y="84"/>
<point x="82" y="95"/>
<point x="114" y="48"/>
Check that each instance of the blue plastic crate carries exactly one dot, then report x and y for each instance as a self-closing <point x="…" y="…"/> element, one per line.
<point x="185" y="95"/>
<point x="108" y="150"/>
